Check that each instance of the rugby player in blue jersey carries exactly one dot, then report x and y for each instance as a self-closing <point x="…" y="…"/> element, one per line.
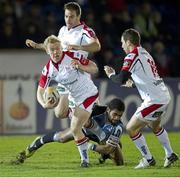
<point x="107" y="136"/>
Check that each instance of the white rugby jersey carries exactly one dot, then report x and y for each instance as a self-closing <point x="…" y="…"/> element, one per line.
<point x="78" y="35"/>
<point x="145" y="76"/>
<point x="79" y="85"/>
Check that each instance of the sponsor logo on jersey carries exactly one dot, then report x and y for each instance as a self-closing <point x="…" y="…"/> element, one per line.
<point x="126" y="64"/>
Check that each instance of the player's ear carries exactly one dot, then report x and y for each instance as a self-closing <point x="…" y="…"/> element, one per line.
<point x="128" y="42"/>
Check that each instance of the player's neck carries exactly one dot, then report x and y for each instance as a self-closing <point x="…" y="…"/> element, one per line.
<point x="75" y="25"/>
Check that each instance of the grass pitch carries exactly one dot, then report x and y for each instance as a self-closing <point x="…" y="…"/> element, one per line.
<point x="62" y="160"/>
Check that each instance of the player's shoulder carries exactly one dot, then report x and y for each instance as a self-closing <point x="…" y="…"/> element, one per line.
<point x="62" y="30"/>
<point x="49" y="62"/>
<point x="46" y="67"/>
<point x="64" y="27"/>
<point x="133" y="54"/>
<point x="85" y="26"/>
<point x="87" y="29"/>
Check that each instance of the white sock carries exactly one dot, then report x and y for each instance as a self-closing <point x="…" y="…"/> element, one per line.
<point x="95" y="129"/>
<point x="83" y="149"/>
<point x="141" y="145"/>
<point x="164" y="140"/>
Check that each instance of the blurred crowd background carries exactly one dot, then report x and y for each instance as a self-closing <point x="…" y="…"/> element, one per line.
<point x="157" y="21"/>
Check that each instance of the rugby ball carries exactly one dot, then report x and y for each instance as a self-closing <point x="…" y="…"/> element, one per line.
<point x="51" y="93"/>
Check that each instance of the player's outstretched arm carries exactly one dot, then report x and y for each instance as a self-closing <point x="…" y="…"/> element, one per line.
<point x="31" y="43"/>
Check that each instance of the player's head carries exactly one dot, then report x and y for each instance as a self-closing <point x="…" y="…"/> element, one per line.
<point x="72" y="14"/>
<point x="53" y="48"/>
<point x="115" y="110"/>
<point x="129" y="39"/>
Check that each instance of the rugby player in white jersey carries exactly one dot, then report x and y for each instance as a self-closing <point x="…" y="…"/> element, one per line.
<point x="68" y="70"/>
<point x="75" y="36"/>
<point x="140" y="66"/>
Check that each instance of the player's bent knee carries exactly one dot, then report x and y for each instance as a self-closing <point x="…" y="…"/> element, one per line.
<point x="130" y="130"/>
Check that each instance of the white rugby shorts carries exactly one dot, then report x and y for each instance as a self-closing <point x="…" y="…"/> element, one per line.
<point x="150" y="112"/>
<point x="87" y="104"/>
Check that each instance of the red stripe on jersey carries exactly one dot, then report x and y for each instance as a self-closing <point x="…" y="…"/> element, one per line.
<point x="82" y="60"/>
<point x="135" y="50"/>
<point x="150" y="109"/>
<point x="127" y="64"/>
<point x="42" y="81"/>
<point x="129" y="59"/>
<point x="89" y="31"/>
<point x="90" y="100"/>
<point x="70" y="54"/>
<point x="43" y="78"/>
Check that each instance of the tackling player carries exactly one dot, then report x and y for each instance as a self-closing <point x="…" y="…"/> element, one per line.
<point x="140" y="65"/>
<point x="109" y="121"/>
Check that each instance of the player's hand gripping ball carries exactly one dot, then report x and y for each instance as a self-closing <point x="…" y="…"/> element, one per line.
<point x="51" y="95"/>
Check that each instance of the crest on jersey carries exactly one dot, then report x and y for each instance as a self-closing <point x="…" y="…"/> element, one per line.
<point x="130" y="56"/>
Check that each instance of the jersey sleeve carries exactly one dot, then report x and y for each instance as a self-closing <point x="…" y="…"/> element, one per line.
<point x="79" y="58"/>
<point x="44" y="79"/>
<point x="84" y="61"/>
<point x="87" y="35"/>
<point x="128" y="61"/>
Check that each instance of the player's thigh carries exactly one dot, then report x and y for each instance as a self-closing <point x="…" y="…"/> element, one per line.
<point x="134" y="125"/>
<point x="80" y="117"/>
<point x="145" y="114"/>
<point x="61" y="110"/>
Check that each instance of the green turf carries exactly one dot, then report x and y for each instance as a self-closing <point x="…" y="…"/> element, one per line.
<point x="62" y="160"/>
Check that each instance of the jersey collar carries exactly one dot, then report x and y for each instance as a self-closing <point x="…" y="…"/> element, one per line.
<point x="59" y="62"/>
<point x="81" y="23"/>
<point x="135" y="49"/>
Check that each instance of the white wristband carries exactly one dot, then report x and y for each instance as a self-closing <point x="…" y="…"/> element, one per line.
<point x="111" y="74"/>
